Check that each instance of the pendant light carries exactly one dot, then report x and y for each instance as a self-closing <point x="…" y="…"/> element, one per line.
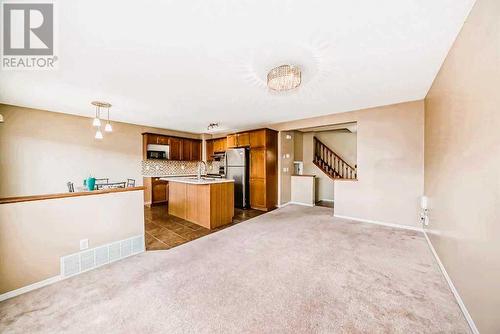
<point x="97" y="119"/>
<point x="108" y="127"/>
<point x="98" y="134"/>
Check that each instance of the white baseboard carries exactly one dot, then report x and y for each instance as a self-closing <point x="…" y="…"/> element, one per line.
<point x="295" y="203"/>
<point x="326" y="200"/>
<point x="30" y="287"/>
<point x="299" y="203"/>
<point x="405" y="227"/>
<point x="460" y="302"/>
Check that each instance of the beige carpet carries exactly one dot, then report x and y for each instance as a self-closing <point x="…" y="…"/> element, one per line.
<point x="294" y="270"/>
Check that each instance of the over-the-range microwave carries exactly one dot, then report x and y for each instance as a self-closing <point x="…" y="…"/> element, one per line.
<point x="161" y="152"/>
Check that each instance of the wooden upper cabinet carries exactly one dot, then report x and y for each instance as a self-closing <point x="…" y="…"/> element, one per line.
<point x="257" y="163"/>
<point x="196" y="150"/>
<point x="151" y="138"/>
<point x="180" y="148"/>
<point x="210" y="149"/>
<point x="219" y="145"/>
<point x="175" y="148"/>
<point x="216" y="145"/>
<point x="223" y="144"/>
<point x="163" y="140"/>
<point x="238" y="140"/>
<point x="186" y="149"/>
<point x="243" y="139"/>
<point x="232" y="141"/>
<point x="258" y="138"/>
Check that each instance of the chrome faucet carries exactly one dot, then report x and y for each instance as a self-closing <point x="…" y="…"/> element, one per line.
<point x="198" y="175"/>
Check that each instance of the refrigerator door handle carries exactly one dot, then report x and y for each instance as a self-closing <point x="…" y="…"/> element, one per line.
<point x="244" y="188"/>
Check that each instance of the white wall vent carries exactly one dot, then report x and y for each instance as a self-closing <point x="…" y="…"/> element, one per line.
<point x="114" y="251"/>
<point x="80" y="262"/>
<point x="126" y="247"/>
<point x="87" y="260"/>
<point x="101" y="255"/>
<point x="70" y="265"/>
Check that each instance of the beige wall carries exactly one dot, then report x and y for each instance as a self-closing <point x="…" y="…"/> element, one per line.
<point x="342" y="142"/>
<point x="34" y="235"/>
<point x="390" y="162"/>
<point x="303" y="190"/>
<point x="41" y="151"/>
<point x="286" y="146"/>
<point x="462" y="164"/>
<point x="298" y="146"/>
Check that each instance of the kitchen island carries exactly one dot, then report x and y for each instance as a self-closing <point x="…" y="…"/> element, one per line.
<point x="208" y="202"/>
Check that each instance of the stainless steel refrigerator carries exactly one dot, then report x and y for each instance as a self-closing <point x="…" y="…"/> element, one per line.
<point x="237" y="164"/>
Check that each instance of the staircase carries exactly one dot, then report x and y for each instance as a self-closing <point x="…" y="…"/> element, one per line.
<point x="332" y="164"/>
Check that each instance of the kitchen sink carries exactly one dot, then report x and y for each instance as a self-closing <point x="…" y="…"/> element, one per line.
<point x="203" y="178"/>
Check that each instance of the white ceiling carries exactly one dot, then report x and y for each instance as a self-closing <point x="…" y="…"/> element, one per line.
<point x="183" y="64"/>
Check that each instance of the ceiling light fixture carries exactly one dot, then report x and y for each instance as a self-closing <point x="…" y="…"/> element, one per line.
<point x="97" y="119"/>
<point x="284" y="77"/>
<point x="98" y="134"/>
<point x="212" y="126"/>
<point x="108" y="127"/>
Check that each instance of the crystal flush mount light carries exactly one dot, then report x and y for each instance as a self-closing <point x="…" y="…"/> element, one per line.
<point x="284" y="77"/>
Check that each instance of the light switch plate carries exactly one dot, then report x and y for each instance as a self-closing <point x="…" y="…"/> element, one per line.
<point x="84" y="244"/>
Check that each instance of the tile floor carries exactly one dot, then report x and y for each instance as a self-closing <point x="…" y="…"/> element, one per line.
<point x="163" y="231"/>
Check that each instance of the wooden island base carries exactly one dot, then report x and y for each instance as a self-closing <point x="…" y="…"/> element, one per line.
<point x="210" y="205"/>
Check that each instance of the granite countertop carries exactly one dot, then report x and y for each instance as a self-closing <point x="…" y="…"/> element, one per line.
<point x="194" y="180"/>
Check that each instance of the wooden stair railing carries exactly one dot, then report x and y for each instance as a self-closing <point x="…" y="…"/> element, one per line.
<point x="331" y="163"/>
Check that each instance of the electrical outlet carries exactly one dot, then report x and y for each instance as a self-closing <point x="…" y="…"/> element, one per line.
<point x="84" y="244"/>
<point x="424" y="217"/>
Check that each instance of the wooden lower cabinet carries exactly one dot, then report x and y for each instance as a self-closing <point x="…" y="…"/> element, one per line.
<point x="155" y="191"/>
<point x="208" y="205"/>
<point x="177" y="204"/>
<point x="258" y="194"/>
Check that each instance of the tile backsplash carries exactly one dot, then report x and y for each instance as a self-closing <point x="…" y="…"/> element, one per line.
<point x="158" y="168"/>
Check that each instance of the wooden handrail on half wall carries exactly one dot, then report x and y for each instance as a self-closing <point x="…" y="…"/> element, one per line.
<point x="8" y="200"/>
<point x="331" y="163"/>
